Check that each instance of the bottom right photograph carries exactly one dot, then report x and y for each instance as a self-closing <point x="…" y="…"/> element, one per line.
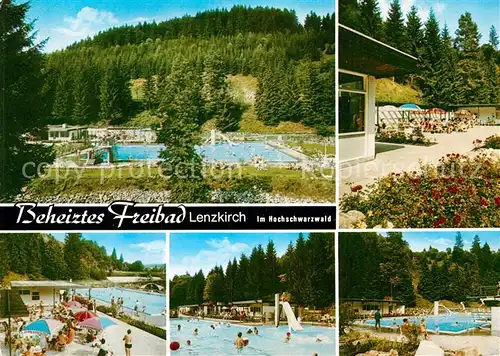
<point x="419" y="293"/>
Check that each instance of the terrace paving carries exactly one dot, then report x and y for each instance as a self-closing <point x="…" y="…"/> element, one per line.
<point x="487" y="345"/>
<point x="398" y="158"/>
<point x="143" y="343"/>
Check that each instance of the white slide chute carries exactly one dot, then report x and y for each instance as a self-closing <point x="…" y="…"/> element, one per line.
<point x="290" y="316"/>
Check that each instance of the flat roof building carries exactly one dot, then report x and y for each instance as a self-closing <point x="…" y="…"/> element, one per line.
<point x="33" y="292"/>
<point x="362" y="60"/>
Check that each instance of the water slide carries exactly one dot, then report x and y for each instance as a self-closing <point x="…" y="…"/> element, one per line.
<point x="213" y="138"/>
<point x="290" y="316"/>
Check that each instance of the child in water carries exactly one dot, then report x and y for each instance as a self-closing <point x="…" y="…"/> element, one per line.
<point x="195" y="332"/>
<point x="288" y="336"/>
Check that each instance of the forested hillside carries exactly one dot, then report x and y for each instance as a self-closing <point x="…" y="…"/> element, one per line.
<point x="41" y="256"/>
<point x="90" y="81"/>
<point x="454" y="68"/>
<point x="372" y="266"/>
<point x="306" y="271"/>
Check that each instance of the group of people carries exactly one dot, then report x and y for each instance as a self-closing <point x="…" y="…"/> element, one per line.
<point x="118" y="304"/>
<point x="405" y="327"/>
<point x="433" y="124"/>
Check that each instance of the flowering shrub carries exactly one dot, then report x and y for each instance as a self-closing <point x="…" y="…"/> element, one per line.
<point x="415" y="138"/>
<point x="460" y="191"/>
<point x="492" y="142"/>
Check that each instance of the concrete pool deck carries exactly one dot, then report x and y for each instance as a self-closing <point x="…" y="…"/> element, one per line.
<point x="143" y="343"/>
<point x="487" y="345"/>
<point x="398" y="158"/>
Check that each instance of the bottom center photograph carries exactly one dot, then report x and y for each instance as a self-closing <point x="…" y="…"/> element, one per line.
<point x="252" y="293"/>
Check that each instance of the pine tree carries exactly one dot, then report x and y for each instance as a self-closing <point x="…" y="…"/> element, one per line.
<point x="181" y="108"/>
<point x="115" y="97"/>
<point x="64" y="101"/>
<point x="300" y="282"/>
<point x="370" y="19"/>
<point x="215" y="93"/>
<point x="4" y="256"/>
<point x="394" y="26"/>
<point x="493" y="37"/>
<point x="81" y="97"/>
<point x="312" y="22"/>
<point x="322" y="275"/>
<point x="54" y="266"/>
<point x="242" y="280"/>
<point x="73" y="253"/>
<point x="151" y="94"/>
<point x="349" y="13"/>
<point x="446" y="81"/>
<point x="414" y="33"/>
<point x="469" y="68"/>
<point x="21" y="110"/>
<point x="34" y="255"/>
<point x="270" y="273"/>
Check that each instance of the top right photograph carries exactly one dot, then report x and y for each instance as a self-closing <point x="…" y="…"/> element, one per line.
<point x="419" y="114"/>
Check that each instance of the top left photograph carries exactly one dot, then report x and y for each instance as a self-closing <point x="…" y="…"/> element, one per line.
<point x="167" y="102"/>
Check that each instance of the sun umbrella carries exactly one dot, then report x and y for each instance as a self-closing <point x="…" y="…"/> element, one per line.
<point x="84" y="315"/>
<point x="97" y="323"/>
<point x="410" y="107"/>
<point x="44" y="326"/>
<point x="73" y="303"/>
<point x="436" y="111"/>
<point x="77" y="310"/>
<point x="388" y="108"/>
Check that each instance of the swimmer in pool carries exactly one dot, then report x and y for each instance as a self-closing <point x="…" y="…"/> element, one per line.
<point x="188" y="342"/>
<point x="255" y="330"/>
<point x="249" y="331"/>
<point x="179" y="327"/>
<point x="195" y="332"/>
<point x="239" y="342"/>
<point x="288" y="336"/>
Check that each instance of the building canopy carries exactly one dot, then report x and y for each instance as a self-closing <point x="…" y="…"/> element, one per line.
<point x="363" y="54"/>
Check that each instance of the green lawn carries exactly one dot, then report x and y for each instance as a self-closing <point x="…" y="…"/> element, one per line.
<point x="283" y="181"/>
<point x="311" y="149"/>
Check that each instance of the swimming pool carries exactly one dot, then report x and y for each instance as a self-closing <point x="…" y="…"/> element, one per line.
<point x="155" y="303"/>
<point x="455" y="323"/>
<point x="224" y="152"/>
<point x="268" y="342"/>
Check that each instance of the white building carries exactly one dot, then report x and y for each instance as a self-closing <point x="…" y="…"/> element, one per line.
<point x="66" y="132"/>
<point x="366" y="307"/>
<point x="485" y="113"/>
<point x="32" y="292"/>
<point x="122" y="134"/>
<point x="362" y="60"/>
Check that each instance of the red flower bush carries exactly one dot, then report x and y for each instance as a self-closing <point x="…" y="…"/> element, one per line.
<point x="460" y="191"/>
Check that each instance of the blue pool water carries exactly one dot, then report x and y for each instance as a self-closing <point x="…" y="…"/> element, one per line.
<point x="155" y="303"/>
<point x="268" y="342"/>
<point x="455" y="323"/>
<point x="239" y="152"/>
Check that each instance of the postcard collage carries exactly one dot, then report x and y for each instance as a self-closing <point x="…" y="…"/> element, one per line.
<point x="264" y="178"/>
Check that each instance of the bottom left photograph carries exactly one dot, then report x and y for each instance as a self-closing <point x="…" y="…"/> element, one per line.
<point x="83" y="294"/>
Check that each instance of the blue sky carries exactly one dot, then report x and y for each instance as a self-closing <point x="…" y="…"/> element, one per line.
<point x="444" y="239"/>
<point x="190" y="252"/>
<point x="67" y="21"/>
<point x="484" y="12"/>
<point x="150" y="248"/>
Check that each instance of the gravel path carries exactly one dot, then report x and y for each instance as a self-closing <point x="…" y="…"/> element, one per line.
<point x="407" y="157"/>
